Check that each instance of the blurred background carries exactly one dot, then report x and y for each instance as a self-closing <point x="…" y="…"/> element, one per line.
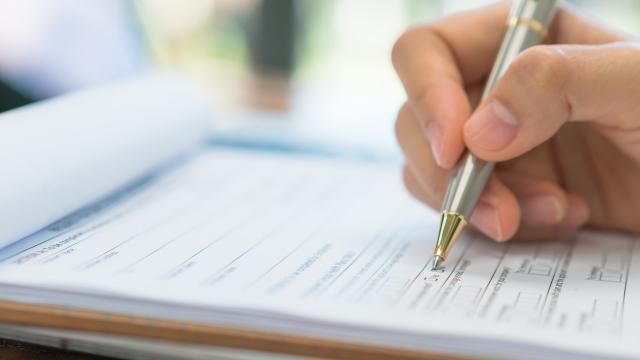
<point x="282" y="73"/>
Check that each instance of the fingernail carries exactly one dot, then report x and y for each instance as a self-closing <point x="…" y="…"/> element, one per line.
<point x="434" y="135"/>
<point x="492" y="127"/>
<point x="542" y="210"/>
<point x="485" y="218"/>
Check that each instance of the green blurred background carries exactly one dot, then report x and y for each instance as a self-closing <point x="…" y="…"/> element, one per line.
<point x="323" y="67"/>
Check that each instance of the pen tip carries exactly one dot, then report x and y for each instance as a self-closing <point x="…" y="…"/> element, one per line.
<point x="437" y="260"/>
<point x="451" y="225"/>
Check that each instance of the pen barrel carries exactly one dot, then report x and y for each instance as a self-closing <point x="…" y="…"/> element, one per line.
<point x="466" y="185"/>
<point x="526" y="26"/>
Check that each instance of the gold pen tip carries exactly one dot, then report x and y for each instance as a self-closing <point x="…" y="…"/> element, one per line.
<point x="451" y="225"/>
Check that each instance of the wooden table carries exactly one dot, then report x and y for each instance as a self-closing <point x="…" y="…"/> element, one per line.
<point x="13" y="350"/>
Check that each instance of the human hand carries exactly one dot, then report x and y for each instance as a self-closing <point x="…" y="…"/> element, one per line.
<point x="563" y="123"/>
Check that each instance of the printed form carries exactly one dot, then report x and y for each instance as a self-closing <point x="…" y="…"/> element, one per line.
<point x="286" y="234"/>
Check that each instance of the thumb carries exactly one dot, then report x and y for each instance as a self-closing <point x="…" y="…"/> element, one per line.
<point x="549" y="85"/>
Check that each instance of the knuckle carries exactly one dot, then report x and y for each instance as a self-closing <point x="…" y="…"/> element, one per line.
<point x="544" y="66"/>
<point x="400" y="127"/>
<point x="404" y="44"/>
<point x="407" y="180"/>
<point x="424" y="100"/>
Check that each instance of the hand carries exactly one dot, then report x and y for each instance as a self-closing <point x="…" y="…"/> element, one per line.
<point x="563" y="123"/>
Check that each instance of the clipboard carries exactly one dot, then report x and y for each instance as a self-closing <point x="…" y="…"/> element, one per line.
<point x="76" y="319"/>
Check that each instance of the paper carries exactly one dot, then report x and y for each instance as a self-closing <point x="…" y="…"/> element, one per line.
<point x="328" y="248"/>
<point x="58" y="155"/>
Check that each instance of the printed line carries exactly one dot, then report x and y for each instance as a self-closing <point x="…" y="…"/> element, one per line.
<point x="296" y="248"/>
<point x="140" y="195"/>
<point x="567" y="253"/>
<point x="435" y="296"/>
<point x="148" y="229"/>
<point x="495" y="271"/>
<point x="376" y="237"/>
<point x="626" y="280"/>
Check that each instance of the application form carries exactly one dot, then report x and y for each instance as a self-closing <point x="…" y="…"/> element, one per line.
<point x="329" y="248"/>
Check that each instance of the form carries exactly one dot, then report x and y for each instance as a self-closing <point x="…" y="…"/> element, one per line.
<point x="60" y="154"/>
<point x="286" y="234"/>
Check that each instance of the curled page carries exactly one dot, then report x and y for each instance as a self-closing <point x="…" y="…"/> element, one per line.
<point x="59" y="155"/>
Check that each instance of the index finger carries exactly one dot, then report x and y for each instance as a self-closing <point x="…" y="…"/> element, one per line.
<point x="463" y="46"/>
<point x="435" y="62"/>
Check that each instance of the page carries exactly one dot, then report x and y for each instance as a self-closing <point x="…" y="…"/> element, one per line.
<point x="61" y="154"/>
<point x="327" y="248"/>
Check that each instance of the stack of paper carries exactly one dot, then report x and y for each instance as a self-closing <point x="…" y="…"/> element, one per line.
<point x="300" y="245"/>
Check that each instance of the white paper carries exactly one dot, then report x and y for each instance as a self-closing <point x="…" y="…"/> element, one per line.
<point x="59" y="155"/>
<point x="333" y="249"/>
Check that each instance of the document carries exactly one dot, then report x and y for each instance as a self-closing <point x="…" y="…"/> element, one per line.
<point x="59" y="155"/>
<point x="329" y="248"/>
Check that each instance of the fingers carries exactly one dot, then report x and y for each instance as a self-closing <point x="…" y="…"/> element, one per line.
<point x="436" y="62"/>
<point x="529" y="209"/>
<point x="525" y="108"/>
<point x="420" y="160"/>
<point x="520" y="207"/>
<point x="550" y="85"/>
<point x="497" y="213"/>
<point x="569" y="27"/>
<point x="573" y="220"/>
<point x="511" y="206"/>
<point x="547" y="211"/>
<point x="426" y="60"/>
<point x="435" y="91"/>
<point x="546" y="87"/>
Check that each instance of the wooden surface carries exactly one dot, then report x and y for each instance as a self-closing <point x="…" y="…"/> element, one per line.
<point x="13" y="350"/>
<point x="67" y="318"/>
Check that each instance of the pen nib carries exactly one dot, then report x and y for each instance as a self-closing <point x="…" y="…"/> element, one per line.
<point x="437" y="260"/>
<point x="451" y="225"/>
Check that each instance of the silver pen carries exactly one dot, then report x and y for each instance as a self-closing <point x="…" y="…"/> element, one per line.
<point x="526" y="26"/>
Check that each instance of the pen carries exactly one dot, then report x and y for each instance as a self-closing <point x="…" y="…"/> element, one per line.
<point x="526" y="26"/>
